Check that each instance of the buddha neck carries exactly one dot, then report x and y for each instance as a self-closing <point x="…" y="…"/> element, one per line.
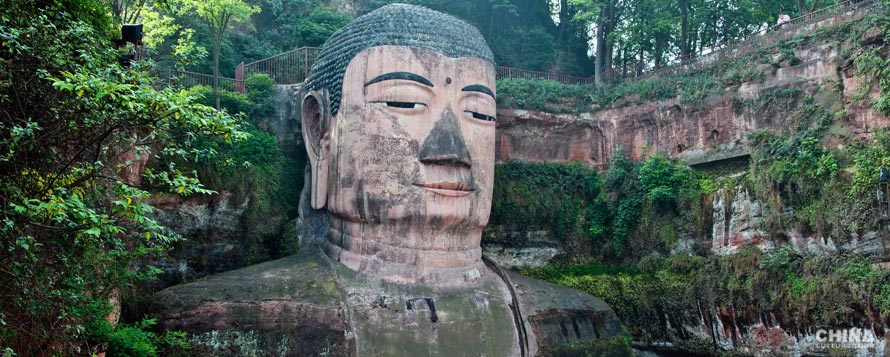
<point x="406" y="252"/>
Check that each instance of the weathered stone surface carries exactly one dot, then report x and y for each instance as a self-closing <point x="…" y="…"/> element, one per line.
<point x="513" y="250"/>
<point x="561" y="316"/>
<point x="307" y="304"/>
<point x="521" y="257"/>
<point x="214" y="237"/>
<point x="737" y="224"/>
<point x="291" y="305"/>
<point x="545" y="137"/>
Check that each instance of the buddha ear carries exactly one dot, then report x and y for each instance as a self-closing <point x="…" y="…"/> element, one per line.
<point x="315" y="116"/>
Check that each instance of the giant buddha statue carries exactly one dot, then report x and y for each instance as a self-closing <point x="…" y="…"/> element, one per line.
<point x="398" y="118"/>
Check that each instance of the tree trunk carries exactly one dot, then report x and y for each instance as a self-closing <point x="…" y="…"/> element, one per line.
<point x="600" y="48"/>
<point x="491" y="23"/>
<point x="216" y="45"/>
<point x="624" y="61"/>
<point x="610" y="27"/>
<point x="804" y="9"/>
<point x="684" y="30"/>
<point x="563" y="21"/>
<point x="659" y="51"/>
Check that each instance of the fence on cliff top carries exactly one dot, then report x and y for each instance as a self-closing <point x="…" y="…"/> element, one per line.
<point x="286" y="68"/>
<point x="837" y="13"/>
<point x="293" y="66"/>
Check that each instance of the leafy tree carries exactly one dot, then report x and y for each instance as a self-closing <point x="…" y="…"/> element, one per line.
<point x="500" y="7"/>
<point x="75" y="130"/>
<point x="127" y="11"/>
<point x="806" y="7"/>
<point x="663" y="181"/>
<point x="603" y="14"/>
<point x="315" y="28"/>
<point x="217" y="15"/>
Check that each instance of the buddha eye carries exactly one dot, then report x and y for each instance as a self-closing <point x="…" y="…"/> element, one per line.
<point x="405" y="105"/>
<point x="479" y="116"/>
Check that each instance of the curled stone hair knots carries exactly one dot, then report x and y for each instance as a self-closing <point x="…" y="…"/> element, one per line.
<point x="393" y="25"/>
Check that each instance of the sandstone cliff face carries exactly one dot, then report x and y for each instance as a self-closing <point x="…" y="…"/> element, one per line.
<point x="714" y="133"/>
<point x="739" y="222"/>
<point x="218" y="235"/>
<point x="699" y="132"/>
<point x="228" y="230"/>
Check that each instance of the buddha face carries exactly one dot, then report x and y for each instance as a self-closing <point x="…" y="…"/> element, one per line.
<point x="410" y="154"/>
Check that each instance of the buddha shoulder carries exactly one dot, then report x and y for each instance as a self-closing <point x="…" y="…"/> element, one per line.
<point x="560" y="316"/>
<point x="294" y="303"/>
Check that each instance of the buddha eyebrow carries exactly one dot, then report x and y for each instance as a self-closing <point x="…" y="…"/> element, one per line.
<point x="478" y="88"/>
<point x="400" y="75"/>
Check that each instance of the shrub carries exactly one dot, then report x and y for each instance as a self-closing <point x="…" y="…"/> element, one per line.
<point x="664" y="182"/>
<point x="232" y="102"/>
<point x="540" y="95"/>
<point x="261" y="91"/>
<point x="134" y="340"/>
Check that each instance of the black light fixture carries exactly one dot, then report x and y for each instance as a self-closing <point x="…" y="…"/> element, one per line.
<point x="132" y="33"/>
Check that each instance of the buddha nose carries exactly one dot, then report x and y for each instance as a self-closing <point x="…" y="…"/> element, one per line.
<point x="445" y="145"/>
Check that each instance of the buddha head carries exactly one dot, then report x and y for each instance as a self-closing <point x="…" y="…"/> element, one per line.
<point x="398" y="117"/>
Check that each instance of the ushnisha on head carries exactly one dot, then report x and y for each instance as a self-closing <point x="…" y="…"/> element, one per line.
<point x="398" y="119"/>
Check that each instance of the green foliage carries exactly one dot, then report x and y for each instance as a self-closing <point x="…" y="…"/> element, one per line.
<point x="259" y="149"/>
<point x="75" y="129"/>
<point x="663" y="181"/>
<point x="559" y="198"/>
<point x="695" y="85"/>
<point x="875" y="69"/>
<point x="315" y="28"/>
<point x="136" y="340"/>
<point x="611" y="346"/>
<point x="798" y="173"/>
<point x="271" y="179"/>
<point x="624" y="197"/>
<point x="231" y="102"/>
<point x="258" y="103"/>
<point x="596" y="216"/>
<point x="800" y="157"/>
<point x="261" y="92"/>
<point x="217" y="15"/>
<point x="540" y="95"/>
<point x="289" y="24"/>
<point x="800" y="291"/>
<point x="869" y="160"/>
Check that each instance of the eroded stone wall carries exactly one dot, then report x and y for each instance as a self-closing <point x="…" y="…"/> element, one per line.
<point x="698" y="132"/>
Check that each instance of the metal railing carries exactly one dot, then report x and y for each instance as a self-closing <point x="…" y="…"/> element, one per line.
<point x="285" y="68"/>
<point x="186" y="79"/>
<point x="509" y="72"/>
